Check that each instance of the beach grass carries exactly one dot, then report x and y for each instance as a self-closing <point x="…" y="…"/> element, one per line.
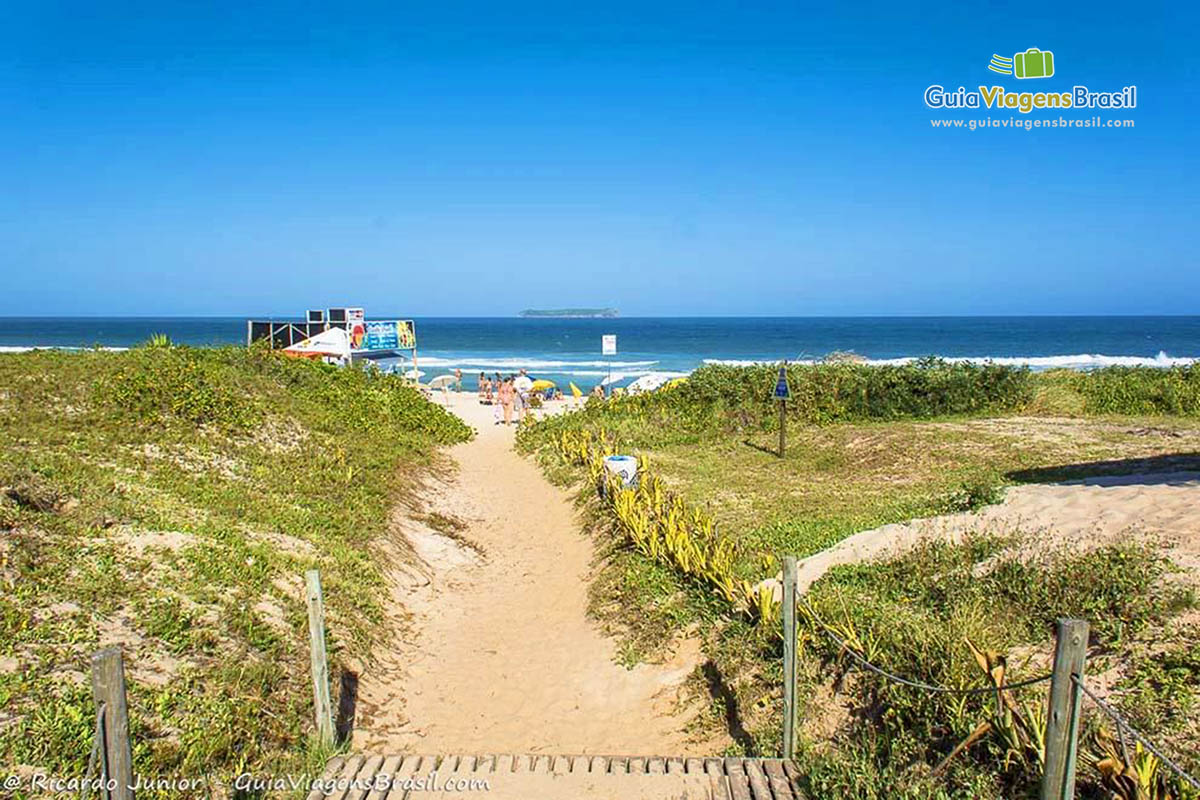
<point x="170" y="499"/>
<point x="854" y="467"/>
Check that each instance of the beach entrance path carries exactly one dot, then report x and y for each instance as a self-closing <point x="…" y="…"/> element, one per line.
<point x="498" y="654"/>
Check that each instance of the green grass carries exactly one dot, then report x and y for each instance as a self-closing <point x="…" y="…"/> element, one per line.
<point x="884" y="448"/>
<point x="170" y="499"/>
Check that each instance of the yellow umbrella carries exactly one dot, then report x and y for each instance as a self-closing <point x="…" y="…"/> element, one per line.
<point x="575" y="389"/>
<point x="542" y="385"/>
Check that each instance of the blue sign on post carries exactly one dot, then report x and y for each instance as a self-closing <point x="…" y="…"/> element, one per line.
<point x="781" y="384"/>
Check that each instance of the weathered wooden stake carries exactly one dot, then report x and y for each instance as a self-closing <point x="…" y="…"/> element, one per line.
<point x="1062" y="722"/>
<point x="789" y="656"/>
<point x="322" y="706"/>
<point x="782" y="427"/>
<point x="116" y="755"/>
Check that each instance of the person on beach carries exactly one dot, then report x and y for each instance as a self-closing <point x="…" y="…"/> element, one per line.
<point x="598" y="392"/>
<point x="458" y="380"/>
<point x="506" y="401"/>
<point x="484" y="390"/>
<point x="520" y="401"/>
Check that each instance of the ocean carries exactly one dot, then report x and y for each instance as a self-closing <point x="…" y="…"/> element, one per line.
<point x="569" y="349"/>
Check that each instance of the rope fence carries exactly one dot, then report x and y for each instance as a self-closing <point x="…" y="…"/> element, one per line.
<point x="1062" y="719"/>
<point x="85" y="791"/>
<point x="915" y="684"/>
<point x="1123" y="727"/>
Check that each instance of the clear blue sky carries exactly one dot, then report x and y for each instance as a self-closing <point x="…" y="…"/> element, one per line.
<point x="693" y="158"/>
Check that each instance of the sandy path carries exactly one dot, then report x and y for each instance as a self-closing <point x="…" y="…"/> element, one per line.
<point x="1083" y="513"/>
<point x="501" y="655"/>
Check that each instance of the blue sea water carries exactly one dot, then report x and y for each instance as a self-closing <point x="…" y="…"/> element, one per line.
<point x="569" y="349"/>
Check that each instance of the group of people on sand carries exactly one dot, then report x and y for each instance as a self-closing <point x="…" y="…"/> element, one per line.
<point x="509" y="394"/>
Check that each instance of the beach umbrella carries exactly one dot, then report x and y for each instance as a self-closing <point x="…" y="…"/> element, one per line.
<point x="443" y="382"/>
<point x="648" y="383"/>
<point x="575" y="390"/>
<point x="616" y="376"/>
<point x="523" y="383"/>
<point x="542" y="385"/>
<point x="333" y="342"/>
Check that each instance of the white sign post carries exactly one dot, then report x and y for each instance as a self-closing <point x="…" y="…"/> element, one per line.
<point x="608" y="347"/>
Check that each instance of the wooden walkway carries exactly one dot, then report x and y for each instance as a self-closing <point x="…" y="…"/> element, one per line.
<point x="542" y="777"/>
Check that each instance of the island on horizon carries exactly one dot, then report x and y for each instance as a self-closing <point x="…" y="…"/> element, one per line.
<point x="570" y="313"/>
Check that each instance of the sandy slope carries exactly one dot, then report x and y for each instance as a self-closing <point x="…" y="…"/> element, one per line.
<point x="1164" y="506"/>
<point x="502" y="657"/>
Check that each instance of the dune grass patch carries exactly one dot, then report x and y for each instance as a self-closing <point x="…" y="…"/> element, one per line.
<point x="170" y="499"/>
<point x="867" y="449"/>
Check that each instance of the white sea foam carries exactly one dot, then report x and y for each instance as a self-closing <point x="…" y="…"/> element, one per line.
<point x="27" y="348"/>
<point x="1076" y="361"/>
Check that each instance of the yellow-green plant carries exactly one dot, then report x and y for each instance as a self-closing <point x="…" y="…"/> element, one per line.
<point x="661" y="526"/>
<point x="1140" y="778"/>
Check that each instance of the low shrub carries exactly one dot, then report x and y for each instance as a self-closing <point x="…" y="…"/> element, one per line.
<point x="1141" y="390"/>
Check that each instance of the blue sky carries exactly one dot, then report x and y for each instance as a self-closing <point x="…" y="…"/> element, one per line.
<point x="477" y="159"/>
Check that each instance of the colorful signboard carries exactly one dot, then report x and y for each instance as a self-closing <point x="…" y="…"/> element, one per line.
<point x="393" y="334"/>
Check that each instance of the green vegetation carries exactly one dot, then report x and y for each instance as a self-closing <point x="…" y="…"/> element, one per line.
<point x="170" y="499"/>
<point x="870" y="446"/>
<point x="920" y="614"/>
<point x="1142" y="390"/>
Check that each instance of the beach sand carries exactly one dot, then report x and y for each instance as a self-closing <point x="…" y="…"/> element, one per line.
<point x="498" y="653"/>
<point x="1161" y="507"/>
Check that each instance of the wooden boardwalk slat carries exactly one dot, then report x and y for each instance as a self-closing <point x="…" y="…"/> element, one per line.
<point x="375" y="777"/>
<point x="332" y="768"/>
<point x="389" y="767"/>
<point x="364" y="779"/>
<point x="781" y="787"/>
<point x="739" y="784"/>
<point x="349" y="770"/>
<point x="759" y="787"/>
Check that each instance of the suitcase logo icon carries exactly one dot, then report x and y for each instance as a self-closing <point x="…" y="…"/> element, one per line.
<point x="1033" y="63"/>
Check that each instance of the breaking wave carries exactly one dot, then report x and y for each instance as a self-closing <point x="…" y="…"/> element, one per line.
<point x="1077" y="361"/>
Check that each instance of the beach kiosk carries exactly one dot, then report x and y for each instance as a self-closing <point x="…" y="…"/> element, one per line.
<point x="356" y="337"/>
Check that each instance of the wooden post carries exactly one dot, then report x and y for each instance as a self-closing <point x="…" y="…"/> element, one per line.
<point x="1062" y="721"/>
<point x="322" y="706"/>
<point x="789" y="656"/>
<point x="782" y="392"/>
<point x="782" y="427"/>
<point x="116" y="756"/>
